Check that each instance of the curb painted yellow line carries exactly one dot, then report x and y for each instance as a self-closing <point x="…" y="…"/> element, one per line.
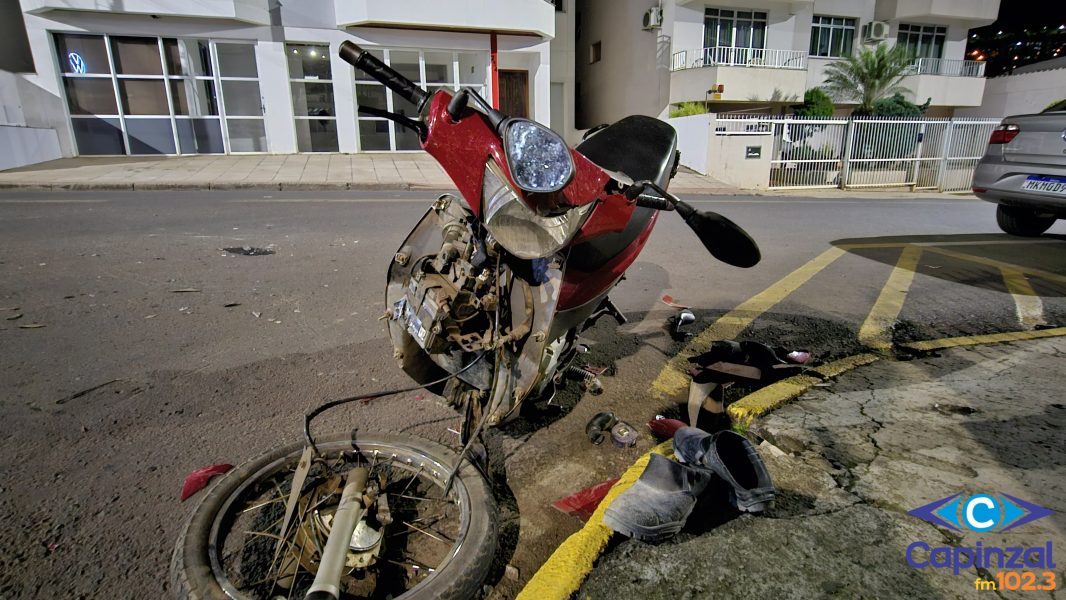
<point x="992" y="338"/>
<point x="672" y="378"/>
<point x="876" y="330"/>
<point x="777" y="394"/>
<point x="561" y="575"/>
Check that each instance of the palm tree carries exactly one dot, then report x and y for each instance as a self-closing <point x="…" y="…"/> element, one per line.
<point x="868" y="76"/>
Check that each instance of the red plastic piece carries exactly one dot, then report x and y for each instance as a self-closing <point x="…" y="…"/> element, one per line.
<point x="198" y="479"/>
<point x="582" y="504"/>
<point x="664" y="429"/>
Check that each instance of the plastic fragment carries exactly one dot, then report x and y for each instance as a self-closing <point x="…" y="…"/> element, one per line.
<point x="199" y="478"/>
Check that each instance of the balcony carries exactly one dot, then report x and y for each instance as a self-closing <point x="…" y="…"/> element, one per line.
<point x="517" y="16"/>
<point x="726" y="56"/>
<point x="742" y="75"/>
<point x="947" y="67"/>
<point x="255" y="12"/>
<point x="947" y="82"/>
<point x="974" y="12"/>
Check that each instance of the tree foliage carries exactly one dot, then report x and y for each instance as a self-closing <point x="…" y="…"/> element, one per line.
<point x="816" y="103"/>
<point x="898" y="106"/>
<point x="687" y="109"/>
<point x="867" y="76"/>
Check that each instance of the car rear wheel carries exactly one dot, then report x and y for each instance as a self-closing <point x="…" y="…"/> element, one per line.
<point x="1023" y="221"/>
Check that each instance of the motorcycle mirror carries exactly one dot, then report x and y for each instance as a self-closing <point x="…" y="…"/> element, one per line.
<point x="724" y="239"/>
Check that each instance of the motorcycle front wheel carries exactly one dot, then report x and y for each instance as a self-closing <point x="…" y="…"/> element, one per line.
<point x="419" y="544"/>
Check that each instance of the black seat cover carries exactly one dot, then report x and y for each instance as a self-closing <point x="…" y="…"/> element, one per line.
<point x="641" y="147"/>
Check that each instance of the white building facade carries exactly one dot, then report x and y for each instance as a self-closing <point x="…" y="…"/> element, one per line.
<point x="761" y="55"/>
<point x="134" y="77"/>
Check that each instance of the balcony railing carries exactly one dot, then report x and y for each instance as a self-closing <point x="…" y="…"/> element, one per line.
<point x="739" y="57"/>
<point x="949" y="67"/>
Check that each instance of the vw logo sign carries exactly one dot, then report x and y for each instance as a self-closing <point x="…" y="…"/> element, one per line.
<point x="77" y="64"/>
<point x="1064" y="135"/>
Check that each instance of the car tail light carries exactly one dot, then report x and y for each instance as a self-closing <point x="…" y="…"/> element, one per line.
<point x="1004" y="134"/>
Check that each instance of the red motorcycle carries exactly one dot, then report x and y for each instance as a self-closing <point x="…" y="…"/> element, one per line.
<point x="486" y="298"/>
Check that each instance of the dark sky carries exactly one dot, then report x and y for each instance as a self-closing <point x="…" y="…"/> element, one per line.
<point x="1031" y="12"/>
<point x="1030" y="34"/>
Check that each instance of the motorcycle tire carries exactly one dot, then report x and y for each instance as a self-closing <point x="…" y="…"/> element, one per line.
<point x="193" y="578"/>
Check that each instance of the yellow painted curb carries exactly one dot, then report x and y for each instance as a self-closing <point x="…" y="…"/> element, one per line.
<point x="762" y="401"/>
<point x="561" y="575"/>
<point x="992" y="338"/>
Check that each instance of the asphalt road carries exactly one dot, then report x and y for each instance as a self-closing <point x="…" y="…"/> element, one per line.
<point x="177" y="379"/>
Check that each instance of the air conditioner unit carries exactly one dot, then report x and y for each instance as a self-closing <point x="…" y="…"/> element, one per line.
<point x="653" y="18"/>
<point x="875" y="31"/>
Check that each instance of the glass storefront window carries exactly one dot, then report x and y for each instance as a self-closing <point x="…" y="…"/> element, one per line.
<point x="93" y="96"/>
<point x="241" y="98"/>
<point x="312" y="97"/>
<point x="374" y="134"/>
<point x="236" y="60"/>
<point x="143" y="97"/>
<point x="153" y="95"/>
<point x="82" y="54"/>
<point x="136" y="56"/>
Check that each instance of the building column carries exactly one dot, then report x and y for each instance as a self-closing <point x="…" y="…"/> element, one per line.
<point x="343" y="75"/>
<point x="277" y="98"/>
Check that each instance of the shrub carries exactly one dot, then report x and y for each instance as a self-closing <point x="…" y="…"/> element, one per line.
<point x="687" y="109"/>
<point x="816" y="104"/>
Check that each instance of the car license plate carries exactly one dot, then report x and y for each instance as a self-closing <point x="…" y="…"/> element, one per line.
<point x="1048" y="185"/>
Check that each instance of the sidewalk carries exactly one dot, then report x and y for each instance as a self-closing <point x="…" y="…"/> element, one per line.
<point x="408" y="171"/>
<point x="850" y="460"/>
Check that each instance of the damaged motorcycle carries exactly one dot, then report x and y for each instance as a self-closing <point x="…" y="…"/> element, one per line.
<point x="486" y="299"/>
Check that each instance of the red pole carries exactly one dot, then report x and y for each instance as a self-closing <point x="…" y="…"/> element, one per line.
<point x="494" y="62"/>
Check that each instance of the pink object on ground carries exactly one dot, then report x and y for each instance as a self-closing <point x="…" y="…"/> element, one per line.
<point x="198" y="479"/>
<point x="668" y="300"/>
<point x="664" y="429"/>
<point x="582" y="504"/>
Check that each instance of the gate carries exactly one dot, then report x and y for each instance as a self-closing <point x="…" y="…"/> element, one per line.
<point x="922" y="154"/>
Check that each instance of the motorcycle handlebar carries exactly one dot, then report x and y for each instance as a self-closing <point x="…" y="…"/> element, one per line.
<point x="369" y="64"/>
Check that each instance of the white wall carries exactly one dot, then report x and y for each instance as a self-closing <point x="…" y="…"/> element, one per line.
<point x="27" y="145"/>
<point x="1019" y="94"/>
<point x="562" y="54"/>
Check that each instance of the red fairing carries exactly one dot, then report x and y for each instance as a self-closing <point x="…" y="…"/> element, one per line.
<point x="579" y="287"/>
<point x="462" y="149"/>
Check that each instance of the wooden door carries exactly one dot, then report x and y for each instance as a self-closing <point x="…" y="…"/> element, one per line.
<point x="514" y="93"/>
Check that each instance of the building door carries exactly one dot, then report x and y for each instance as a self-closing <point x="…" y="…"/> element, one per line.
<point x="514" y="93"/>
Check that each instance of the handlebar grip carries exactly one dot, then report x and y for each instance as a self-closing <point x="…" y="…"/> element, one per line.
<point x="649" y="201"/>
<point x="379" y="71"/>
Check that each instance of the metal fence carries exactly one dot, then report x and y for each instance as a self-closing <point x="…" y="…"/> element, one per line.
<point x="923" y="154"/>
<point x="730" y="56"/>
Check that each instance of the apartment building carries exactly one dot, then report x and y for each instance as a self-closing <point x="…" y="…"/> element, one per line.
<point x="639" y="56"/>
<point x="133" y="77"/>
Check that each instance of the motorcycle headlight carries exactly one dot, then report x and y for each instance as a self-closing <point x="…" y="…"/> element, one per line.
<point x="538" y="158"/>
<point x="518" y="229"/>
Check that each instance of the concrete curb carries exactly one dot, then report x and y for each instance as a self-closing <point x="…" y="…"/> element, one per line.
<point x="565" y="570"/>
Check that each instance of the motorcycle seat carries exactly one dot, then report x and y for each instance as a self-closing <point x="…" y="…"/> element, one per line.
<point x="641" y="147"/>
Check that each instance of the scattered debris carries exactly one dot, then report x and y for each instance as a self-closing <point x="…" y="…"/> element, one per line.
<point x="231" y="304"/>
<point x="249" y="251"/>
<point x="678" y="323"/>
<point x="664" y="428"/>
<point x="582" y="504"/>
<point x="150" y="316"/>
<point x="185" y="291"/>
<point x="32" y="326"/>
<point x="10" y="308"/>
<point x="598" y="426"/>
<point x="511" y="572"/>
<point x="623" y="435"/>
<point x="15" y="317"/>
<point x="199" y="478"/>
<point x="256" y="314"/>
<point x="669" y="301"/>
<point x="90" y="390"/>
<point x="954" y="409"/>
